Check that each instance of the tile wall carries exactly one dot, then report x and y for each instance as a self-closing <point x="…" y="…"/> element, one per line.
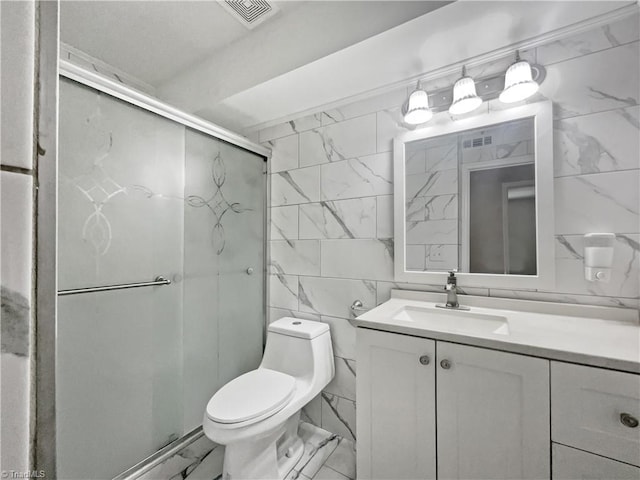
<point x="17" y="43"/>
<point x="332" y="205"/>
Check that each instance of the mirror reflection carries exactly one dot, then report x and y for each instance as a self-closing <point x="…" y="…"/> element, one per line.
<point x="470" y="201"/>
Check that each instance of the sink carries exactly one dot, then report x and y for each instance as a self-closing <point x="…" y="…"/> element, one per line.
<point x="457" y="321"/>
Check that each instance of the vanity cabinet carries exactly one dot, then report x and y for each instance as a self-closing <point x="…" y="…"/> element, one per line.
<point x="492" y="407"/>
<point x="396" y="414"/>
<point x="594" y="410"/>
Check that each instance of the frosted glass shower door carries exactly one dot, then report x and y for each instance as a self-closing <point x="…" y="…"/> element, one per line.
<point x="120" y="220"/>
<point x="224" y="306"/>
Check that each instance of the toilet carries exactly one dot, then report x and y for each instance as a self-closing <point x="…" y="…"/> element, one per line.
<point x="256" y="415"/>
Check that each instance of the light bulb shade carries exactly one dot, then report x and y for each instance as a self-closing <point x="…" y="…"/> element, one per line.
<point x="418" y="110"/>
<point x="518" y="83"/>
<point x="465" y="98"/>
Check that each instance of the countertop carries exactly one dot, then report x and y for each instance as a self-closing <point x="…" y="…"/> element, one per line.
<point x="598" y="336"/>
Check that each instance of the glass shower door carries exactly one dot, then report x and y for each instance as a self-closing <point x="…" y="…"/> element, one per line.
<point x="142" y="196"/>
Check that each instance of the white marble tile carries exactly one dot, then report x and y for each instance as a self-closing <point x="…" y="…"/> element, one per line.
<point x="384" y="212"/>
<point x="367" y="259"/>
<point x="344" y="380"/>
<point x="370" y="105"/>
<point x="284" y="223"/>
<point x="625" y="272"/>
<point x="343" y="458"/>
<point x="602" y="202"/>
<point x="339" y="415"/>
<point x="415" y="257"/>
<point x="185" y="459"/>
<point x="566" y="298"/>
<point x="210" y="467"/>
<point x="593" y="83"/>
<point x="361" y="177"/>
<point x="441" y="207"/>
<point x="278" y="313"/>
<point x="444" y="157"/>
<point x="432" y="183"/>
<point x="432" y="232"/>
<point x="284" y="154"/>
<point x="295" y="186"/>
<point x="601" y="38"/>
<point x="288" y="128"/>
<point x="334" y="296"/>
<point x="295" y="257"/>
<point x="327" y="473"/>
<point x="17" y="95"/>
<point x="318" y="445"/>
<point x="415" y="161"/>
<point x="343" y="335"/>
<point x="600" y="142"/>
<point x="441" y="257"/>
<point x="384" y="289"/>
<point x="283" y="291"/>
<point x="352" y="218"/>
<point x="14" y="391"/>
<point x="340" y="141"/>
<point x="311" y="412"/>
<point x="390" y="124"/>
<point x="16" y="203"/>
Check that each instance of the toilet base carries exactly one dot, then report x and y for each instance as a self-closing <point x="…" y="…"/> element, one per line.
<point x="268" y="458"/>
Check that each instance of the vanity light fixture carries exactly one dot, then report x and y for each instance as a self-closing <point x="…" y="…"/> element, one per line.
<point x="518" y="82"/>
<point x="465" y="98"/>
<point x="418" y="110"/>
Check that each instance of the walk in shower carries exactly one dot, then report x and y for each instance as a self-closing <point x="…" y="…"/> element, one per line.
<point x="171" y="220"/>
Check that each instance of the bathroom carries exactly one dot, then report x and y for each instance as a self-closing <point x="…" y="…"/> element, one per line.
<point x="244" y="174"/>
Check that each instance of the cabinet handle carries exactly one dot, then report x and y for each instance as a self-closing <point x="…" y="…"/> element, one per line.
<point x="446" y="364"/>
<point x="424" y="359"/>
<point x="628" y="420"/>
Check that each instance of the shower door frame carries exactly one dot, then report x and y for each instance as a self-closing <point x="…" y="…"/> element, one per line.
<point x="45" y="432"/>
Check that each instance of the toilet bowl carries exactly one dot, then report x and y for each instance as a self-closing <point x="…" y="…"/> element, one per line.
<point x="256" y="415"/>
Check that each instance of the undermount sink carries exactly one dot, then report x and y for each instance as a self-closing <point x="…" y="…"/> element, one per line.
<point x="457" y="321"/>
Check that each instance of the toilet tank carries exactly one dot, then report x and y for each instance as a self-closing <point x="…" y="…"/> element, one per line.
<point x="300" y="348"/>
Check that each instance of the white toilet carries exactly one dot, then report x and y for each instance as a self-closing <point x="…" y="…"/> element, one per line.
<point x="256" y="415"/>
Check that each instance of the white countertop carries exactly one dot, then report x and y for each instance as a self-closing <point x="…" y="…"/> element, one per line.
<point x="598" y="336"/>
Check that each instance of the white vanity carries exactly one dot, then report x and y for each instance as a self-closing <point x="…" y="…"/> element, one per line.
<point x="509" y="389"/>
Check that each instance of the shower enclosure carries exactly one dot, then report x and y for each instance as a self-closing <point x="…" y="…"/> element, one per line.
<point x="172" y="220"/>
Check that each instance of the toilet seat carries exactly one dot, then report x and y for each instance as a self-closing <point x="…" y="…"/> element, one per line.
<point x="253" y="396"/>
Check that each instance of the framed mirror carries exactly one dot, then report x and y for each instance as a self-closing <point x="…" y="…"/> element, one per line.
<point x="476" y="195"/>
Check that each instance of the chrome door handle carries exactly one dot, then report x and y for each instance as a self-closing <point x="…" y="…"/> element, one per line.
<point x="424" y="360"/>
<point x="628" y="420"/>
<point x="446" y="364"/>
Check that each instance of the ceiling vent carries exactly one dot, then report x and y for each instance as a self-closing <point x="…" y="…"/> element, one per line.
<point x="250" y="13"/>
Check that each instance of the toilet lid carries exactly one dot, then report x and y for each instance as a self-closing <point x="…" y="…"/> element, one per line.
<point x="259" y="393"/>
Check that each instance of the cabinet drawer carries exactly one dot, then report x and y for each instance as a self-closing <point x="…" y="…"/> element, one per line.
<point x="589" y="409"/>
<point x="571" y="464"/>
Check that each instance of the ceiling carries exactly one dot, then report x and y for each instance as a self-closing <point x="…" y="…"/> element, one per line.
<point x="156" y="40"/>
<point x="310" y="54"/>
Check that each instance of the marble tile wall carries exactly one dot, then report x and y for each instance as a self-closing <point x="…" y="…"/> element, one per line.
<point x="332" y="203"/>
<point x="18" y="54"/>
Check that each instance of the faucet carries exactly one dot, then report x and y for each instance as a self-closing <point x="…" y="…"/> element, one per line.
<point x="452" y="290"/>
<point x="452" y="293"/>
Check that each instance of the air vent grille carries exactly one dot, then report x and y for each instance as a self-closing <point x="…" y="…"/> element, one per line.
<point x="477" y="142"/>
<point x="250" y="12"/>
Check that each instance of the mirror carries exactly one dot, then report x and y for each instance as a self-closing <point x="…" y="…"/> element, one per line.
<point x="476" y="195"/>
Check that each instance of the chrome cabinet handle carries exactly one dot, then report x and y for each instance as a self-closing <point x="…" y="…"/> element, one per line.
<point x="446" y="364"/>
<point x="628" y="420"/>
<point x="424" y="360"/>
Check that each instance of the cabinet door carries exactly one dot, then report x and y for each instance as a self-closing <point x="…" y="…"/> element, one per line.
<point x="493" y="414"/>
<point x="396" y="406"/>
<point x="572" y="464"/>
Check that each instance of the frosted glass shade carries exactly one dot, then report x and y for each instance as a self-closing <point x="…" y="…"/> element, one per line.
<point x="418" y="110"/>
<point x="518" y="83"/>
<point x="465" y="98"/>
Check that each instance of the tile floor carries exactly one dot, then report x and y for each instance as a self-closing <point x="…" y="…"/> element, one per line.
<point x="326" y="457"/>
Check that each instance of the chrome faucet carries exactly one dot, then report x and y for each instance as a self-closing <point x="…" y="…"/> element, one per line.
<point x="452" y="293"/>
<point x="452" y="290"/>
